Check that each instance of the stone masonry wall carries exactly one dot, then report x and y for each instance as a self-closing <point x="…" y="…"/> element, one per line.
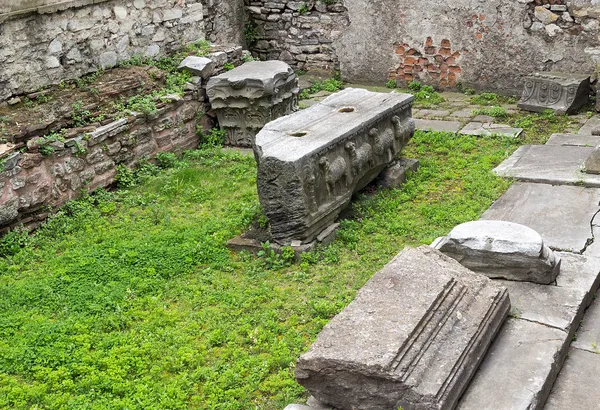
<point x="41" y="49"/>
<point x="482" y="44"/>
<point x="31" y="183"/>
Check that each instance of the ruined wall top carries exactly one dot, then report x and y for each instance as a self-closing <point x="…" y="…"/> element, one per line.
<point x="16" y="8"/>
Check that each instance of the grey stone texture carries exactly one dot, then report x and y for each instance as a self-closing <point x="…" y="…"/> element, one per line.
<point x="487" y="129"/>
<point x="573" y="140"/>
<point x="413" y="337"/>
<point x="41" y="49"/>
<point x="437" y="125"/>
<point x="249" y="96"/>
<point x="577" y="384"/>
<point x="561" y="92"/>
<point x="589" y="126"/>
<point x="198" y="66"/>
<point x="311" y="162"/>
<point x="500" y="249"/>
<point x="591" y="165"/>
<point x="519" y="368"/>
<point x="394" y="175"/>
<point x="588" y="335"/>
<point x="549" y="164"/>
<point x="560" y="214"/>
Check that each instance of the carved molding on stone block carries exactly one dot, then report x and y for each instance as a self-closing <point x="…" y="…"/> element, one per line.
<point x="249" y="96"/>
<point x="560" y="92"/>
<point x="413" y="337"/>
<point x="311" y="162"/>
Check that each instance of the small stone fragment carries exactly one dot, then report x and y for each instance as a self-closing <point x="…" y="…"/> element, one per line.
<point x="500" y="249"/>
<point x="544" y="15"/>
<point x="198" y="66"/>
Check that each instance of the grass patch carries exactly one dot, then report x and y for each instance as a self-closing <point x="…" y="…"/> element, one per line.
<point x="492" y="99"/>
<point x="130" y="299"/>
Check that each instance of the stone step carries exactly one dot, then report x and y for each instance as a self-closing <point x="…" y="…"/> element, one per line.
<point x="523" y="362"/>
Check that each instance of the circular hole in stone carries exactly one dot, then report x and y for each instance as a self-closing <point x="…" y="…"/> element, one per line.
<point x="298" y="134"/>
<point x="346" y="109"/>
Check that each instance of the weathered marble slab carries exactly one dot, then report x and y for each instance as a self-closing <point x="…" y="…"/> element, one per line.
<point x="549" y="164"/>
<point x="413" y="337"/>
<point x="437" y="125"/>
<point x="574" y="140"/>
<point x="249" y="96"/>
<point x="560" y="214"/>
<point x="311" y="162"/>
<point x="487" y="130"/>
<point x="501" y="249"/>
<point x="564" y="93"/>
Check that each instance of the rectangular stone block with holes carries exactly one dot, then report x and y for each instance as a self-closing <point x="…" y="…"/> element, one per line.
<point x="311" y="162"/>
<point x="561" y="92"/>
<point x="413" y="337"/>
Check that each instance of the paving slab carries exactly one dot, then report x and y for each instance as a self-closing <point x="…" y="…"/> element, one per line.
<point x="437" y="125"/>
<point x="560" y="214"/>
<point x="588" y="335"/>
<point x="589" y="125"/>
<point x="463" y="113"/>
<point x="519" y="369"/>
<point x="483" y="118"/>
<point x="577" y="385"/>
<point x="560" y="306"/>
<point x="549" y="164"/>
<point x="430" y="113"/>
<point x="487" y="129"/>
<point x="574" y="140"/>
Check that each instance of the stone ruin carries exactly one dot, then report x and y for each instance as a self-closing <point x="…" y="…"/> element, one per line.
<point x="413" y="337"/>
<point x="311" y="162"/>
<point x="500" y="249"/>
<point x="248" y="97"/>
<point x="560" y="92"/>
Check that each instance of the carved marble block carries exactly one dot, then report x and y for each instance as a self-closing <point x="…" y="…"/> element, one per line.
<point x="501" y="249"/>
<point x="563" y="93"/>
<point x="251" y="95"/>
<point x="311" y="162"/>
<point x="413" y="337"/>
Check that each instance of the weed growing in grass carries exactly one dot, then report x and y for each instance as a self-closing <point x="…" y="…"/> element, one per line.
<point x="228" y="66"/>
<point x="492" y="99"/>
<point x="391" y="84"/>
<point x="494" y="111"/>
<point x="425" y="95"/>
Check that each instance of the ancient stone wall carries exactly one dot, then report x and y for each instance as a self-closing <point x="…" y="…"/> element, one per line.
<point x="35" y="180"/>
<point x="488" y="45"/>
<point x="40" y="49"/>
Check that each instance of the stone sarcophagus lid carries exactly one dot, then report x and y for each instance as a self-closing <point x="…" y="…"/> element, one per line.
<point x="412" y="338"/>
<point x="563" y="93"/>
<point x="251" y="95"/>
<point x="311" y="162"/>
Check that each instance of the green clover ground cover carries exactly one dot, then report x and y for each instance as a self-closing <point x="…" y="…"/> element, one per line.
<point x="130" y="299"/>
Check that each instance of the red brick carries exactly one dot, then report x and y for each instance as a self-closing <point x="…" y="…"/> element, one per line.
<point x="444" y="74"/>
<point x="446" y="43"/>
<point x="411" y="60"/>
<point x="445" y="52"/>
<point x="443" y="82"/>
<point x="428" y="42"/>
<point x="479" y="36"/>
<point x="451" y="83"/>
<point x="430" y="50"/>
<point x="417" y="69"/>
<point x="435" y="75"/>
<point x="444" y="67"/>
<point x="451" y="61"/>
<point x="438" y="59"/>
<point x="455" y="69"/>
<point x="452" y="77"/>
<point x="412" y="52"/>
<point x="423" y="61"/>
<point x="456" y="54"/>
<point x="408" y="77"/>
<point x="400" y="77"/>
<point x="432" y="68"/>
<point x="399" y="50"/>
<point x="408" y="68"/>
